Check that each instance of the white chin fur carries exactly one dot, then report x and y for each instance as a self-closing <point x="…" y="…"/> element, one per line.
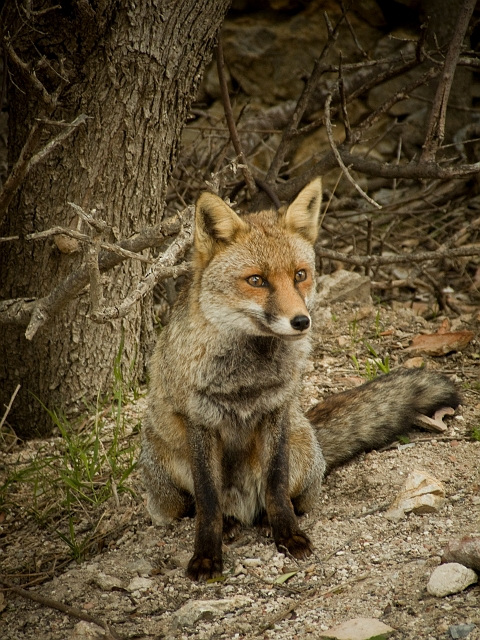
<point x="251" y="321"/>
<point x="282" y="327"/>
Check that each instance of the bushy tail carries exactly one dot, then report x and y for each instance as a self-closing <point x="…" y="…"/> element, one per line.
<point x="371" y="415"/>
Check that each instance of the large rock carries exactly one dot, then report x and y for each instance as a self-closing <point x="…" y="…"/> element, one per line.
<point x="464" y="550"/>
<point x="269" y="53"/>
<point x="342" y="286"/>
<point x="450" y="578"/>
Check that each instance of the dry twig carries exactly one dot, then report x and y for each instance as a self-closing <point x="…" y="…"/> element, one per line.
<point x="29" y="77"/>
<point x="313" y="592"/>
<point x="27" y="159"/>
<point x="161" y="269"/>
<point x="81" y="237"/>
<point x="403" y="258"/>
<point x="247" y="174"/>
<point x="292" y="128"/>
<point x="436" y="124"/>
<point x="328" y="127"/>
<point x="9" y="406"/>
<point x="73" y="612"/>
<point x="38" y="312"/>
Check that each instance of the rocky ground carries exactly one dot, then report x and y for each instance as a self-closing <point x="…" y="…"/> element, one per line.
<point x="364" y="564"/>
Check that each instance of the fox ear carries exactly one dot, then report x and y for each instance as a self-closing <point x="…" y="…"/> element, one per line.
<point x="215" y="222"/>
<point x="302" y="215"/>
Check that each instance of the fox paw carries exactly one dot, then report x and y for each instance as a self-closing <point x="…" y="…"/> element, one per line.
<point x="297" y="545"/>
<point x="202" y="567"/>
<point x="231" y="529"/>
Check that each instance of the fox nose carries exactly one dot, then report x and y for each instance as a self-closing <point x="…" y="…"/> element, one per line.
<point x="300" y="323"/>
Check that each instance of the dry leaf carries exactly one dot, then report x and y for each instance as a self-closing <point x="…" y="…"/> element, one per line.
<point x="438" y="344"/>
<point x="284" y="577"/>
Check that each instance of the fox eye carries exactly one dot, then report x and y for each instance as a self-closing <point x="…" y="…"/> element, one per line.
<point x="256" y="281"/>
<point x="301" y="275"/>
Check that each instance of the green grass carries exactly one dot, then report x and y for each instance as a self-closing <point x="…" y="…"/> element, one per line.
<point x="366" y="360"/>
<point x="71" y="478"/>
<point x="372" y="365"/>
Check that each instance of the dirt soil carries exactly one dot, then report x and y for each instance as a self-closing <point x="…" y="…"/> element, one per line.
<point x="363" y="565"/>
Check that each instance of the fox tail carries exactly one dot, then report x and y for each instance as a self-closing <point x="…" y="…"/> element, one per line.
<point x="371" y="415"/>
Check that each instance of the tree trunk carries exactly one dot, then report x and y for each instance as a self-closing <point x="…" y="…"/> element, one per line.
<point x="133" y="69"/>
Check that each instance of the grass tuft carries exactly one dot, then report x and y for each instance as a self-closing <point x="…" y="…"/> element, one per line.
<point x="66" y="482"/>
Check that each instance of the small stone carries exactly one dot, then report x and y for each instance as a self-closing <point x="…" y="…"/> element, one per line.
<point x="140" y="566"/>
<point x="421" y="493"/>
<point x="252" y="562"/>
<point x="359" y="629"/>
<point x="86" y="631"/>
<point x="181" y="559"/>
<point x="106" y="582"/>
<point x="140" y="584"/>
<point x="460" y="630"/>
<point x="195" y="610"/>
<point x="450" y="578"/>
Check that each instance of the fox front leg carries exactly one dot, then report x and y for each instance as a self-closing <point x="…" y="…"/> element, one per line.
<point x="206" y="562"/>
<point x="289" y="538"/>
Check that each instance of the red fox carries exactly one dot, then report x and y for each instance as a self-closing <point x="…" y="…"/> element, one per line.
<point x="225" y="437"/>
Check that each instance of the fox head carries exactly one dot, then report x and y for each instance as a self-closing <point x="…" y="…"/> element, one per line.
<point x="255" y="273"/>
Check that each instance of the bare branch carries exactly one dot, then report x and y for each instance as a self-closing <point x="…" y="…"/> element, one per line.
<point x="36" y="313"/>
<point x="110" y="634"/>
<point x="29" y="76"/>
<point x="436" y="124"/>
<point x="20" y="168"/>
<point x="343" y="103"/>
<point x="98" y="225"/>
<point x="328" y="126"/>
<point x="301" y="106"/>
<point x="352" y="31"/>
<point x="412" y="170"/>
<point x="9" y="406"/>
<point x="27" y="160"/>
<point x="17" y="311"/>
<point x="361" y="82"/>
<point x="50" y="146"/>
<point x="249" y="180"/>
<point x="160" y="270"/>
<point x="96" y="291"/>
<point x="404" y="93"/>
<point x="81" y="237"/>
<point x="403" y="258"/>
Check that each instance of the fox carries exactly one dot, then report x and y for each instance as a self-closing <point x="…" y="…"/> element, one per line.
<point x="225" y="438"/>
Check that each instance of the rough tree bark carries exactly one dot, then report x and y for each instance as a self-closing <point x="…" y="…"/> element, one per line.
<point x="133" y="69"/>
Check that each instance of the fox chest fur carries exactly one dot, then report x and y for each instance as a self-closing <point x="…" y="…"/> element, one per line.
<point x="233" y="382"/>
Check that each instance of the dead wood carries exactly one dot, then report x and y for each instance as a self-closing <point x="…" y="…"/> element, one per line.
<point x="73" y="612"/>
